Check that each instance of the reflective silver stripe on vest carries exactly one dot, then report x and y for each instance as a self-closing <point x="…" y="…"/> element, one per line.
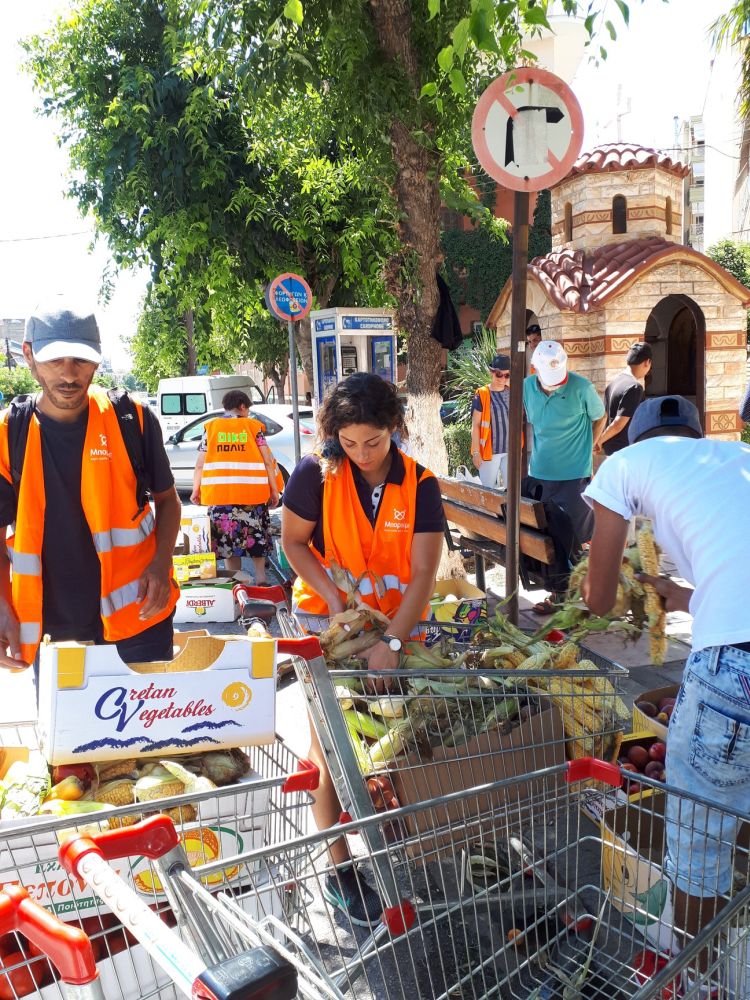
<point x="221" y="466"/>
<point x="392" y="582"/>
<point x="29" y="633"/>
<point x="119" y="599"/>
<point x="105" y="541"/>
<point x="25" y="563"/>
<point x="235" y="481"/>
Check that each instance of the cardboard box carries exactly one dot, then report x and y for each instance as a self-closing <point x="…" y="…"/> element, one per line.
<point x="633" y="846"/>
<point x="468" y="605"/>
<point x="198" y="604"/>
<point x="537" y="743"/>
<point x="219" y="691"/>
<point x="194" y="567"/>
<point x="195" y="528"/>
<point x="647" y="724"/>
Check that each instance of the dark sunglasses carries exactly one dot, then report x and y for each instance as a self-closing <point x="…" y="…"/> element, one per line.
<point x="501" y="374"/>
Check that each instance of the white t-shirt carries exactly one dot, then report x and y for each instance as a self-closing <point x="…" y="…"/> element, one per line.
<point x="697" y="493"/>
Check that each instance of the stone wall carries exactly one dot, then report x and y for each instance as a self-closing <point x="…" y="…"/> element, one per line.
<point x="590" y="197"/>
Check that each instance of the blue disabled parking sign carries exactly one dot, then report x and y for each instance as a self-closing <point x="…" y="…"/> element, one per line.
<point x="289" y="297"/>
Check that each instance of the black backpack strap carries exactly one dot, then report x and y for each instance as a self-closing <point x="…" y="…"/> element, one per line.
<point x="132" y="436"/>
<point x="19" y="419"/>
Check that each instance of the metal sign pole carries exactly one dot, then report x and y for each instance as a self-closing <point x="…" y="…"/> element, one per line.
<point x="293" y="382"/>
<point x="515" y="416"/>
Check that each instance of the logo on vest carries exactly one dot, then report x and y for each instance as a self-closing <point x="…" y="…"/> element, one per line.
<point x="102" y="454"/>
<point x="399" y="522"/>
<point x="231" y="440"/>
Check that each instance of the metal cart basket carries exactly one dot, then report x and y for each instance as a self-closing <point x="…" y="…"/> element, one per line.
<point x="507" y="890"/>
<point x="270" y="806"/>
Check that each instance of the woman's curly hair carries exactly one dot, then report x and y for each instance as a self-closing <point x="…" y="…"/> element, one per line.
<point x="361" y="398"/>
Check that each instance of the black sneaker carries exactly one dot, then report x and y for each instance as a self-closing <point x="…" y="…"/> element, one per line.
<point x="344" y="889"/>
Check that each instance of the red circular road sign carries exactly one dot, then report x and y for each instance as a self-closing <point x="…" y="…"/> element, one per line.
<point x="527" y="129"/>
<point x="289" y="297"/>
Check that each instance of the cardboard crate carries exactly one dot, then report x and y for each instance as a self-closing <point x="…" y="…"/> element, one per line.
<point x="469" y="607"/>
<point x="647" y="724"/>
<point x="195" y="529"/>
<point x="537" y="743"/>
<point x="219" y="691"/>
<point x="210" y="603"/>
<point x="199" y="566"/>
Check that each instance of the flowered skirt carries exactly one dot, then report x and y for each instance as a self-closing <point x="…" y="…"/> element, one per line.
<point x="240" y="531"/>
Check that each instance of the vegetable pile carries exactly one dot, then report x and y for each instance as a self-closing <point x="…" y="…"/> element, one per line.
<point x="29" y="789"/>
<point x="638" y="607"/>
<point x="427" y="710"/>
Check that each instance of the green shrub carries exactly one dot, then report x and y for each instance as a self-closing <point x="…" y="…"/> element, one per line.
<point x="746" y="433"/>
<point x="16" y="382"/>
<point x="458" y="446"/>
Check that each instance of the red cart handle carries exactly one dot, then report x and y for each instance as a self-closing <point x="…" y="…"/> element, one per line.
<point x="152" y="838"/>
<point x="243" y="594"/>
<point x="308" y="647"/>
<point x="590" y="767"/>
<point x="66" y="946"/>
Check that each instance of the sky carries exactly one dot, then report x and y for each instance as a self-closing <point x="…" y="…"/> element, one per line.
<point x="657" y="69"/>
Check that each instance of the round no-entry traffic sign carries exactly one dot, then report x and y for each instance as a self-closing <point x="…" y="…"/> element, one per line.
<point x="527" y="129"/>
<point x="289" y="297"/>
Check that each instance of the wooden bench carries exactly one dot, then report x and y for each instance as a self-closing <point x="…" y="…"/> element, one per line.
<point x="481" y="512"/>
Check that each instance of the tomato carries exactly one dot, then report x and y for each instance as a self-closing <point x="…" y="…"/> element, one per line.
<point x="84" y="772"/>
<point x="21" y="982"/>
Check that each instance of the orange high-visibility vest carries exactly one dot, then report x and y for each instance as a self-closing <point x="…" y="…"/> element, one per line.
<point x="378" y="557"/>
<point x="485" y="426"/>
<point x="125" y="540"/>
<point x="234" y="471"/>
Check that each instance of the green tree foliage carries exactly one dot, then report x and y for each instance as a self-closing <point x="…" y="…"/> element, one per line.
<point x="215" y="188"/>
<point x="16" y="382"/>
<point x="478" y="261"/>
<point x="735" y="258"/>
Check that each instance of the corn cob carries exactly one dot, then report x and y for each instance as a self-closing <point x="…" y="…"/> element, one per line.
<point x="118" y="792"/>
<point x="182" y="814"/>
<point x="394" y="742"/>
<point x="567" y="656"/>
<point x="657" y="618"/>
<point x="111" y="769"/>
<point x="389" y="707"/>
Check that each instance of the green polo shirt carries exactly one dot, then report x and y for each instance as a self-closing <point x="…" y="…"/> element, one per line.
<point x="561" y="423"/>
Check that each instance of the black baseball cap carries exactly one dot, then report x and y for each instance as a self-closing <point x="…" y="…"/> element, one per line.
<point x="500" y="363"/>
<point x="662" y="415"/>
<point x="534" y="328"/>
<point x="639" y="353"/>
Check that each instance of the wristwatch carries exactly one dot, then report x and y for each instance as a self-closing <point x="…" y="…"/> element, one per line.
<point x="394" y="644"/>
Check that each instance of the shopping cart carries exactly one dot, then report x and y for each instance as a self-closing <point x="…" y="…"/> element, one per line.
<point x="442" y="730"/>
<point x="508" y="890"/>
<point x="271" y="805"/>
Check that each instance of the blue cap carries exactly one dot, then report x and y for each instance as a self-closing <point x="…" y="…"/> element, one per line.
<point x="63" y="333"/>
<point x="662" y="414"/>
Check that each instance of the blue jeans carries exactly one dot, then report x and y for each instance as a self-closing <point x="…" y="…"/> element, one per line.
<point x="708" y="754"/>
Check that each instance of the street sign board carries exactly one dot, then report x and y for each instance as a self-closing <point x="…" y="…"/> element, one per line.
<point x="527" y="129"/>
<point x="289" y="297"/>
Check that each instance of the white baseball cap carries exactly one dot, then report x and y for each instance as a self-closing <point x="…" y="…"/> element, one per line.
<point x="551" y="363"/>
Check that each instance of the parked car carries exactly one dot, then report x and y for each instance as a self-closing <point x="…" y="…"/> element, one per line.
<point x="182" y="446"/>
<point x="181" y="399"/>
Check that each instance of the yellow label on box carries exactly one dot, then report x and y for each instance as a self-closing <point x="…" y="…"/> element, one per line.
<point x="196" y="566"/>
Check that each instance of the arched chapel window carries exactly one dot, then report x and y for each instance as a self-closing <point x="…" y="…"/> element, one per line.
<point x="668" y="216"/>
<point x="619" y="214"/>
<point x="568" y="222"/>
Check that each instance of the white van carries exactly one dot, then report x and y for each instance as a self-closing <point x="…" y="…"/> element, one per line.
<point x="180" y="400"/>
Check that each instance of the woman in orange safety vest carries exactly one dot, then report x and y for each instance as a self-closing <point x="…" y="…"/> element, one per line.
<point x="360" y="505"/>
<point x="236" y="478"/>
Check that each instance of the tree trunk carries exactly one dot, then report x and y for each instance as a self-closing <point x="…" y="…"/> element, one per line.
<point x="304" y="348"/>
<point x="278" y="374"/>
<point x="191" y="360"/>
<point x="417" y="189"/>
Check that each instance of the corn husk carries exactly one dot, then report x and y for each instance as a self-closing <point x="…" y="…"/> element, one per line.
<point x="24" y="788"/>
<point x="193" y="783"/>
<point x="158" y="784"/>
